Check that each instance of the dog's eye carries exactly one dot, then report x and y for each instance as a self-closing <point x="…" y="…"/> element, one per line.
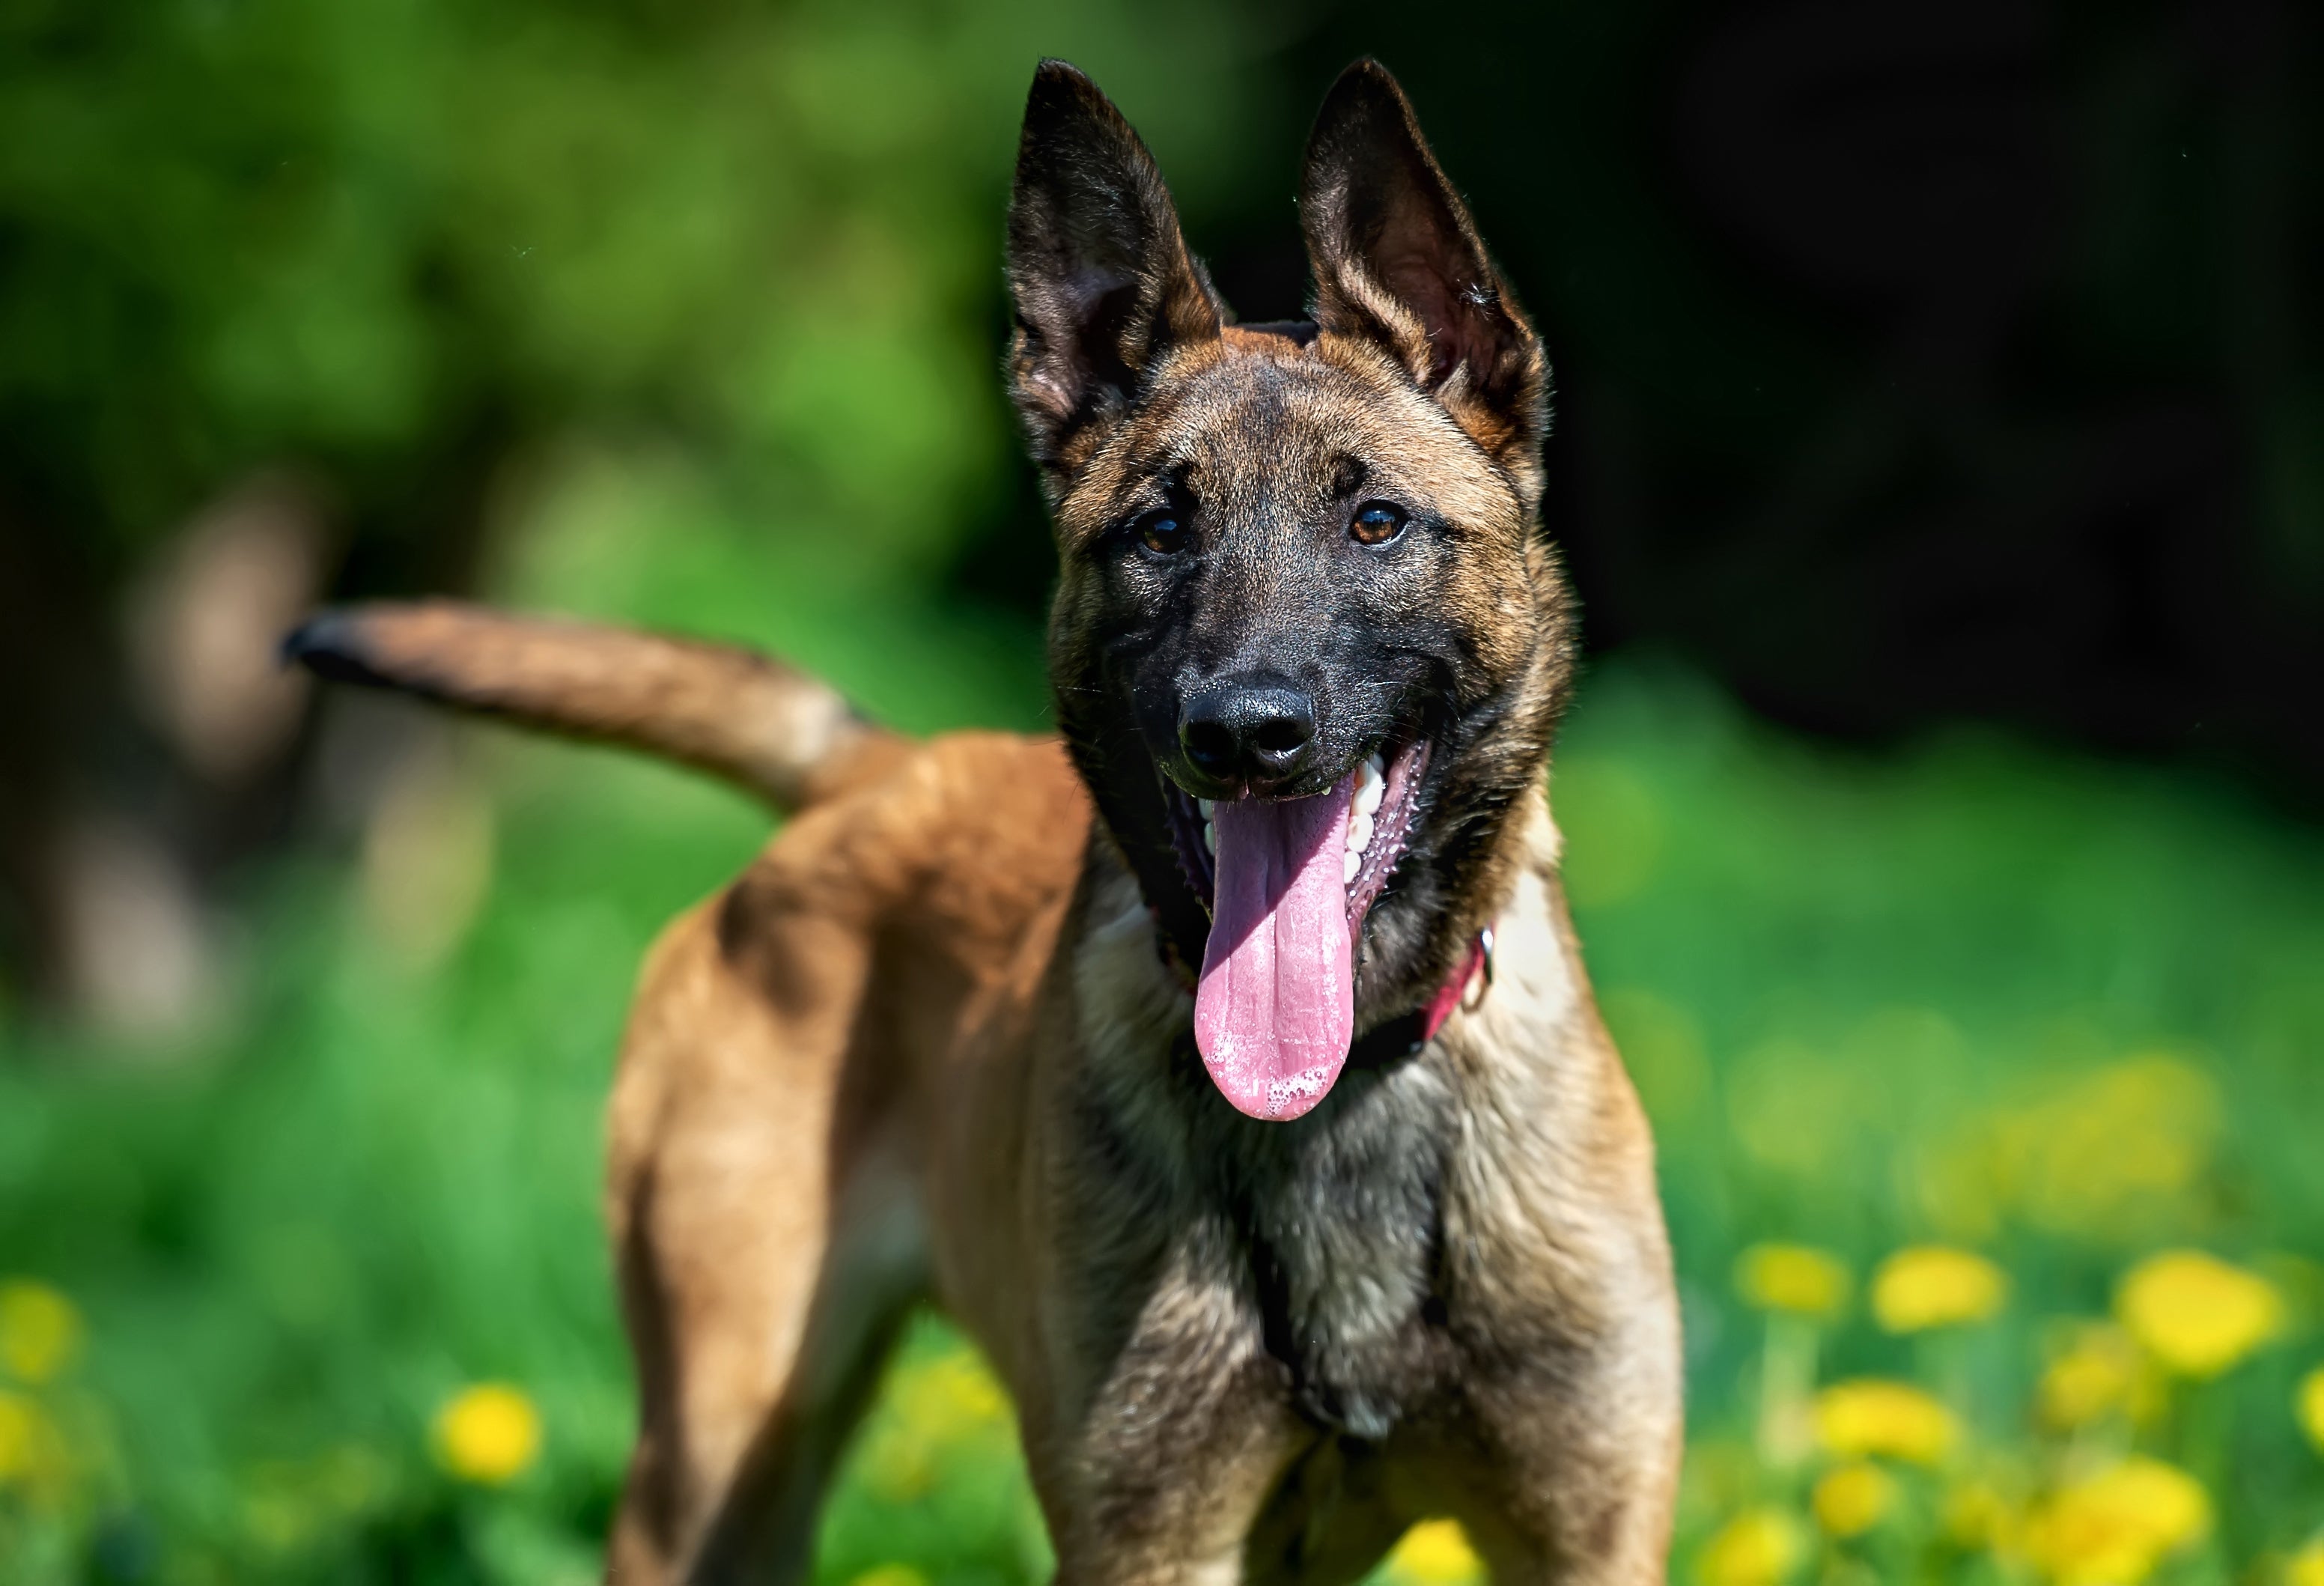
<point x="1163" y="532"/>
<point x="1378" y="523"/>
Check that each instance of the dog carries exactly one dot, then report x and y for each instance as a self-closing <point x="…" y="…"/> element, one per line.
<point x="1226" y="1065"/>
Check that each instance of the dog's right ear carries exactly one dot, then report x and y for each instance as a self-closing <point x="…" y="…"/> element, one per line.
<point x="1103" y="284"/>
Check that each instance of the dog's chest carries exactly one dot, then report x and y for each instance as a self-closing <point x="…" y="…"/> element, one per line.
<point x="1324" y="1233"/>
<point x="1337" y="1230"/>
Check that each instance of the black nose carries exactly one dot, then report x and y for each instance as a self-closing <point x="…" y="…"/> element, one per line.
<point x="1258" y="734"/>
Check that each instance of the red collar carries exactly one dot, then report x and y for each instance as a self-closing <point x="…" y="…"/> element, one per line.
<point x="1403" y="1036"/>
<point x="1466" y="989"/>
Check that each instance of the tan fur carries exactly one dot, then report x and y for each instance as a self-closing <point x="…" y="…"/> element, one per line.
<point x="933" y="1043"/>
<point x="848" y="1084"/>
<point x="732" y="712"/>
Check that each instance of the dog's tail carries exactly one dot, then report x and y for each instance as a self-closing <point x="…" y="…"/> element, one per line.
<point x="737" y="715"/>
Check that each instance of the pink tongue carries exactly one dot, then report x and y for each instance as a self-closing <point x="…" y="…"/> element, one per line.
<point x="1275" y="1009"/>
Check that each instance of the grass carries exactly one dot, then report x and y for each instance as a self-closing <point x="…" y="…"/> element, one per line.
<point x="2061" y="1013"/>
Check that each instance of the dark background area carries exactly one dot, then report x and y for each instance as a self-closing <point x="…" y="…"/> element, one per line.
<point x="1929" y="362"/>
<point x="1913" y="364"/>
<point x="1918" y="363"/>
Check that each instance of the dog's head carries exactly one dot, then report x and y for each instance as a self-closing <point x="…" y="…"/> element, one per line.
<point x="1308" y="644"/>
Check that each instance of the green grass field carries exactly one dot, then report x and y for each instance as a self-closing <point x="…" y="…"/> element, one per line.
<point x="2063" y="1014"/>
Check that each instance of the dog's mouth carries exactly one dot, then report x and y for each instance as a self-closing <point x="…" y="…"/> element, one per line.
<point x="1288" y="883"/>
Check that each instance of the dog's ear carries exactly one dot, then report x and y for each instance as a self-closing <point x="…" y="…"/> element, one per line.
<point x="1397" y="263"/>
<point x="1103" y="284"/>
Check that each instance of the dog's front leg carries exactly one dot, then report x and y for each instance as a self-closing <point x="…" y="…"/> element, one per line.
<point x="1572" y="1419"/>
<point x="1156" y="1478"/>
<point x="1577" y="1486"/>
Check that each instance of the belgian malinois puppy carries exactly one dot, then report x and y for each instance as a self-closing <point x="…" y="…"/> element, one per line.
<point x="1227" y="1068"/>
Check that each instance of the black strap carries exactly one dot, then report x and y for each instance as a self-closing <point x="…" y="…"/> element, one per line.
<point x="1386" y="1042"/>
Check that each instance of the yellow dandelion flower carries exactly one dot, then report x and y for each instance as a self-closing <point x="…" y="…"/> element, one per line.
<point x="488" y="1433"/>
<point x="2118" y="1148"/>
<point x="2307" y="1566"/>
<point x="1435" y="1552"/>
<point x="1759" y="1548"/>
<point x="2196" y="1313"/>
<point x="1936" y="1285"/>
<point x="2099" y="1372"/>
<point x="1799" y="1279"/>
<point x="1849" y="1499"/>
<point x="40" y="1331"/>
<point x="2112" y="1528"/>
<point x="19" y="1427"/>
<point x="933" y="1404"/>
<point x="2310" y="1404"/>
<point x="899" y="1464"/>
<point x="31" y="1450"/>
<point x="949" y="1395"/>
<point x="1869" y="1416"/>
<point x="890" y="1575"/>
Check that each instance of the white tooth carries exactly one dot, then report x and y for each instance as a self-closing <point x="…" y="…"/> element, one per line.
<point x="1207" y="805"/>
<point x="1360" y="834"/>
<point x="1350" y="863"/>
<point x="1372" y="761"/>
<point x="1210" y="836"/>
<point x="1370" y="771"/>
<point x="1368" y="796"/>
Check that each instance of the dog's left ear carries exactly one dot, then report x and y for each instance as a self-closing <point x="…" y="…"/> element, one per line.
<point x="1397" y="263"/>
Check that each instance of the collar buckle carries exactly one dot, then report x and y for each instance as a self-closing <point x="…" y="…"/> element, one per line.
<point x="1480" y="978"/>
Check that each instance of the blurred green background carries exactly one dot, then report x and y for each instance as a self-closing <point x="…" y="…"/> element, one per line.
<point x="1941" y="462"/>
